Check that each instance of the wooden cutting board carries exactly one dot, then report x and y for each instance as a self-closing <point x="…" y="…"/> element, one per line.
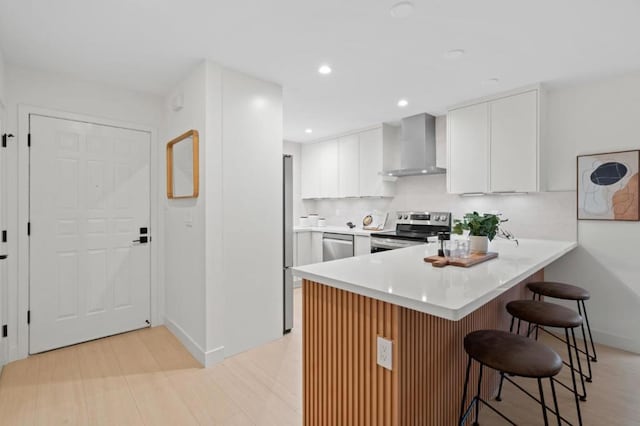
<point x="473" y="259"/>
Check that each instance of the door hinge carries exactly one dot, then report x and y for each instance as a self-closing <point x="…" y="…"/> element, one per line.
<point x="29" y="317"/>
<point x="5" y="137"/>
<point x="5" y="331"/>
<point x="4" y="236"/>
<point x="29" y="140"/>
<point x="29" y="228"/>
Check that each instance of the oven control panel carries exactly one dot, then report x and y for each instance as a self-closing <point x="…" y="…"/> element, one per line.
<point x="424" y="218"/>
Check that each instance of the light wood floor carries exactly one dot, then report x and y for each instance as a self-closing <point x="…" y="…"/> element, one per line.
<point x="147" y="377"/>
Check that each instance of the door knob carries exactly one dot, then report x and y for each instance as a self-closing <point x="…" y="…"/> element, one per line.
<point x="143" y="240"/>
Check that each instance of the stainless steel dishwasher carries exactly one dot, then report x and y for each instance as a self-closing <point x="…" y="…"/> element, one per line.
<point x="336" y="246"/>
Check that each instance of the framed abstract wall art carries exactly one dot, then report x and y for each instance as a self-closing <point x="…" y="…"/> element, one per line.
<point x="608" y="186"/>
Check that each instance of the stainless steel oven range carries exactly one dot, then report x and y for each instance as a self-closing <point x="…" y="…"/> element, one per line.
<point x="412" y="228"/>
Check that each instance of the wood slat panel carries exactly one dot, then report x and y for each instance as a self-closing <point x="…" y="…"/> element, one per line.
<point x="342" y="383"/>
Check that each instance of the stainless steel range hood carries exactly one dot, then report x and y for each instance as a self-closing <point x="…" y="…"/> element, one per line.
<point x="417" y="147"/>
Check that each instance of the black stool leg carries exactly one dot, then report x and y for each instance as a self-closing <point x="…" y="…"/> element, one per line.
<point x="555" y="401"/>
<point x="586" y="345"/>
<point x="583" y="397"/>
<point x="544" y="405"/>
<point x="573" y="376"/>
<point x="593" y="346"/>
<point x="464" y="392"/>
<point x="499" y="396"/>
<point x="478" y="395"/>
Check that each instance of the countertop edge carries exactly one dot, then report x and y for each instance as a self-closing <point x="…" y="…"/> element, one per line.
<point x="455" y="314"/>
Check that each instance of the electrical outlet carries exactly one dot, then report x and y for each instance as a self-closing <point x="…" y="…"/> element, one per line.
<point x="385" y="353"/>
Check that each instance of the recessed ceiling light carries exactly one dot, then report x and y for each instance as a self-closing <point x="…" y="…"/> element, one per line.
<point x="308" y="130"/>
<point x="324" y="69"/>
<point x="491" y="82"/>
<point x="454" y="54"/>
<point x="403" y="103"/>
<point x="402" y="9"/>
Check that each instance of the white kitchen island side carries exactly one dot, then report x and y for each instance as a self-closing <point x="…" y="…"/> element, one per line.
<point x="424" y="311"/>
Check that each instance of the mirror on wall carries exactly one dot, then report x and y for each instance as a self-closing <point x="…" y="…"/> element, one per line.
<point x="182" y="166"/>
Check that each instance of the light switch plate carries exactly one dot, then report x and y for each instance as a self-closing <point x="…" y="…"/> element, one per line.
<point x="385" y="353"/>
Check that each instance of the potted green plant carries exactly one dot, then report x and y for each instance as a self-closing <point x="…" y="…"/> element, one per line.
<point x="482" y="229"/>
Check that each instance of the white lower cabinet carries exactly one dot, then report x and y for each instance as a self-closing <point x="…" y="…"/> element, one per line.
<point x="362" y="245"/>
<point x="303" y="248"/>
<point x="316" y="247"/>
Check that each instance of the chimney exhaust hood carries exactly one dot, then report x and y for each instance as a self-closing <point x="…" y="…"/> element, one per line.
<point x="417" y="147"/>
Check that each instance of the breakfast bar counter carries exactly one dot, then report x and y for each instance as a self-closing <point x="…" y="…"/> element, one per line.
<point x="424" y="311"/>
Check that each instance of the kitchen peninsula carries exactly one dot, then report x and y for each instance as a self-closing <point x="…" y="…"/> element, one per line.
<point x="424" y="311"/>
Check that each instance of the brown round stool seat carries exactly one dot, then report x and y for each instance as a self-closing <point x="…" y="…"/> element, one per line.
<point x="544" y="313"/>
<point x="559" y="290"/>
<point x="512" y="354"/>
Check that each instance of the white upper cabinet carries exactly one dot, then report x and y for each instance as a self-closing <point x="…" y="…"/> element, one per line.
<point x="329" y="169"/>
<point x="514" y="143"/>
<point x="349" y="166"/>
<point x="468" y="149"/>
<point x="493" y="145"/>
<point x="310" y="170"/>
<point x="372" y="162"/>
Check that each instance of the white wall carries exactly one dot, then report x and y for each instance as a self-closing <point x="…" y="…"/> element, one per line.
<point x="184" y="224"/>
<point x="252" y="215"/>
<point x="542" y="215"/>
<point x="224" y="270"/>
<point x="590" y="118"/>
<point x="60" y="93"/>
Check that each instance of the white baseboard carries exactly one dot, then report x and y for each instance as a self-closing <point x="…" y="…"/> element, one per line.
<point x="214" y="356"/>
<point x="206" y="358"/>
<point x="617" y="342"/>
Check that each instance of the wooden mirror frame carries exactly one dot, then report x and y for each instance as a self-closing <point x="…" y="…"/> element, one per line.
<point x="196" y="169"/>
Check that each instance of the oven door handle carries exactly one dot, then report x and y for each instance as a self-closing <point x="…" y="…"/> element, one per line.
<point x="387" y="243"/>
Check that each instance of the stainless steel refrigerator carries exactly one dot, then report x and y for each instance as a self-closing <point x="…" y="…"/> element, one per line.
<point x="287" y="230"/>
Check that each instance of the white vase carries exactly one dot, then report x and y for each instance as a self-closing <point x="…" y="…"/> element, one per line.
<point x="479" y="245"/>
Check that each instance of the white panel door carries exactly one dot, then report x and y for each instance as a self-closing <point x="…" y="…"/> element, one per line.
<point x="468" y="153"/>
<point x="349" y="166"/>
<point x="89" y="197"/>
<point x="514" y="143"/>
<point x="3" y="245"/>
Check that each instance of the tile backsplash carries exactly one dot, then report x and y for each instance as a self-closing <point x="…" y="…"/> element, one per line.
<point x="548" y="215"/>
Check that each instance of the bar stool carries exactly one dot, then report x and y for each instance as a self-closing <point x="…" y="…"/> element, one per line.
<point x="545" y="314"/>
<point x="569" y="292"/>
<point x="511" y="354"/>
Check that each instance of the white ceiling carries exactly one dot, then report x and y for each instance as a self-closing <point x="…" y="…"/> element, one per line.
<point x="149" y="45"/>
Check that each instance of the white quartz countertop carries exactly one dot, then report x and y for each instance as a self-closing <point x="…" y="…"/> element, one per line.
<point x="401" y="277"/>
<point x="334" y="229"/>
